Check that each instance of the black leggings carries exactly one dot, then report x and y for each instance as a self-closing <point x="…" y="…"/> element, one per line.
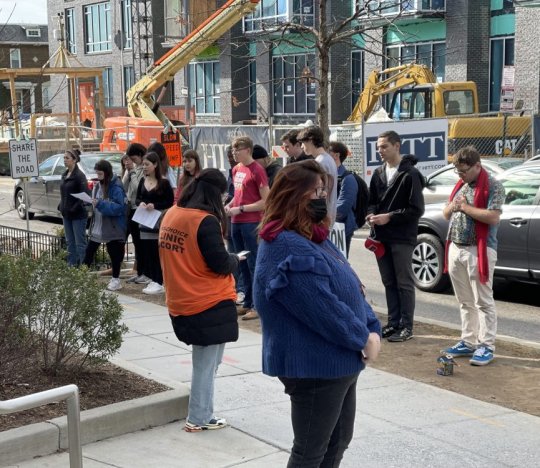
<point x="115" y="249"/>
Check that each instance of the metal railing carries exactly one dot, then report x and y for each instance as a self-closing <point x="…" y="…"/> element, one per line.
<point x="16" y="242"/>
<point x="70" y="393"/>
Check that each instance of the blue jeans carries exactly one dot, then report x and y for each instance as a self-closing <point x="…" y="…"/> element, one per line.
<point x="206" y="360"/>
<point x="75" y="232"/>
<point x="244" y="237"/>
<point x="322" y="414"/>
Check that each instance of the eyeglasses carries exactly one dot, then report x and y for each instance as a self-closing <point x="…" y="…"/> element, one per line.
<point x="320" y="192"/>
<point x="464" y="172"/>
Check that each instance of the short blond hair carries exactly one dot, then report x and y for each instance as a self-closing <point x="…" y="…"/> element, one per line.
<point x="244" y="142"/>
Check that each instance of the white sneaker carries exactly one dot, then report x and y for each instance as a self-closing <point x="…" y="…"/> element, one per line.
<point x="142" y="279"/>
<point x="153" y="288"/>
<point x="240" y="298"/>
<point x="114" y="284"/>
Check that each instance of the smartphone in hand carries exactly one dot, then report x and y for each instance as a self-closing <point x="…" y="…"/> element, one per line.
<point x="243" y="254"/>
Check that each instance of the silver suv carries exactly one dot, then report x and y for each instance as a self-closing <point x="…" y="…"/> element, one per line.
<point x="518" y="236"/>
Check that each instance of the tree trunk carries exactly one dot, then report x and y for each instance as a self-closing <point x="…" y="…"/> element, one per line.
<point x="324" y="68"/>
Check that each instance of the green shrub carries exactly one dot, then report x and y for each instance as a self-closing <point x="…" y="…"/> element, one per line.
<point x="73" y="320"/>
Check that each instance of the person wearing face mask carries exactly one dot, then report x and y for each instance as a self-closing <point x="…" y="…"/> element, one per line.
<point x="318" y="330"/>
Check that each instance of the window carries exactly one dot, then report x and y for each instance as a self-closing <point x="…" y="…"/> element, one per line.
<point x="45" y="95"/>
<point x="108" y="86"/>
<point x="273" y="12"/>
<point x="502" y="53"/>
<point x="174" y="27"/>
<point x="294" y="87"/>
<point x="521" y="187"/>
<point x="97" y="22"/>
<point x="458" y="102"/>
<point x="70" y="31"/>
<point x="357" y="75"/>
<point x="129" y="80"/>
<point x="46" y="167"/>
<point x="33" y="33"/>
<point x="431" y="54"/>
<point x="205" y="88"/>
<point x="127" y="28"/>
<point x="393" y="7"/>
<point x="252" y="87"/>
<point x="15" y="58"/>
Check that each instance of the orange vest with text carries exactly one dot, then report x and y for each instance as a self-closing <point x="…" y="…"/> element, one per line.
<point x="190" y="286"/>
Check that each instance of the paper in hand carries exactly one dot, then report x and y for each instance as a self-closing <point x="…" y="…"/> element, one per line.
<point x="147" y="218"/>
<point x="83" y="196"/>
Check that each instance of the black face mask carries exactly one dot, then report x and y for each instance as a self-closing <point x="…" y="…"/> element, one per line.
<point x="318" y="209"/>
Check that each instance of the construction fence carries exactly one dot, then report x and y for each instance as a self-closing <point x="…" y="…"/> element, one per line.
<point x="494" y="135"/>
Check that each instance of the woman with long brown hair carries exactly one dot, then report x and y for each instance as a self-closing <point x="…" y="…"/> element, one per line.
<point x="191" y="165"/>
<point x="318" y="329"/>
<point x="154" y="192"/>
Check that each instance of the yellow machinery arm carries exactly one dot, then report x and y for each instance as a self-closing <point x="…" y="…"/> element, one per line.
<point x="140" y="100"/>
<point x="401" y="76"/>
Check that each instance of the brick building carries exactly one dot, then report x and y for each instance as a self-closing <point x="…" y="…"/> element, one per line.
<point x="24" y="46"/>
<point x="253" y="73"/>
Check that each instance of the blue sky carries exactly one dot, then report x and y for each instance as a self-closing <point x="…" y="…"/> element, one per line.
<point x="23" y="11"/>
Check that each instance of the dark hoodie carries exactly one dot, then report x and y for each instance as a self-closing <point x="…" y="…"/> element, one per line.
<point x="403" y="198"/>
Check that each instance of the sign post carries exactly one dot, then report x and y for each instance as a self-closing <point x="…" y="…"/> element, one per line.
<point x="23" y="157"/>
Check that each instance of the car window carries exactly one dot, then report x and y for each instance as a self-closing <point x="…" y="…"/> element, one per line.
<point x="59" y="169"/>
<point x="448" y="177"/>
<point x="89" y="161"/>
<point x="521" y="187"/>
<point x="47" y="166"/>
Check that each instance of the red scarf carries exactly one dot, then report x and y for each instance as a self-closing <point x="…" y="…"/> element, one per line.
<point x="481" y="195"/>
<point x="271" y="230"/>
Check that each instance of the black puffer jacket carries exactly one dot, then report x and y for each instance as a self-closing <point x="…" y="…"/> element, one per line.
<point x="71" y="207"/>
<point x="403" y="198"/>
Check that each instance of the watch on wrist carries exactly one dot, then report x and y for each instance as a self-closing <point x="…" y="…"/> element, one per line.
<point x="241" y="208"/>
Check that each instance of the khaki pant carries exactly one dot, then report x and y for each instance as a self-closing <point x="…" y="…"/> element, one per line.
<point x="476" y="303"/>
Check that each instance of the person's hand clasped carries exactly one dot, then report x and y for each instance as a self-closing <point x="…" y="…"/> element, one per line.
<point x="372" y="348"/>
<point x="380" y="219"/>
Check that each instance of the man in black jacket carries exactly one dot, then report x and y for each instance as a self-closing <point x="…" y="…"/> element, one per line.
<point x="396" y="204"/>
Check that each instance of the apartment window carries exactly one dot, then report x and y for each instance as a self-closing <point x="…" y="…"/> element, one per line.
<point x="70" y="30"/>
<point x="127" y="28"/>
<point x="502" y="53"/>
<point x="294" y="86"/>
<point x="431" y="54"/>
<point x="205" y="90"/>
<point x="357" y="75"/>
<point x="273" y="12"/>
<point x="393" y="7"/>
<point x="45" y="95"/>
<point x="108" y="86"/>
<point x="129" y="80"/>
<point x="174" y="27"/>
<point x="97" y="22"/>
<point x="252" y="87"/>
<point x="15" y="58"/>
<point x="33" y="33"/>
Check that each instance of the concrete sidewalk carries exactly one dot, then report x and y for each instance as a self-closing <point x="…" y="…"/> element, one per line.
<point x="399" y="422"/>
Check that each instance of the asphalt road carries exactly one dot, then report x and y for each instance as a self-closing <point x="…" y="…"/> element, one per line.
<point x="518" y="305"/>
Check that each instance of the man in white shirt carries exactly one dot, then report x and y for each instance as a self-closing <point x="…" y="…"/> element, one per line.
<point x="312" y="139"/>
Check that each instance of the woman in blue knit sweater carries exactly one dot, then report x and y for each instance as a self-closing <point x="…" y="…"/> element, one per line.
<point x="318" y="329"/>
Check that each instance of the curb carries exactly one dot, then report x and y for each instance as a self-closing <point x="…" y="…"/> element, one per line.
<point x="46" y="438"/>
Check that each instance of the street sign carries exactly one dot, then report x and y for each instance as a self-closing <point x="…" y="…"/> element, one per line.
<point x="23" y="156"/>
<point x="171" y="142"/>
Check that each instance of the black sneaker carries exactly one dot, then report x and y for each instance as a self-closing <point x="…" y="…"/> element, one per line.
<point x="389" y="330"/>
<point x="401" y="335"/>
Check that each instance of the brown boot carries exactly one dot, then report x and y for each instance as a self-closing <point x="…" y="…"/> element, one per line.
<point x="251" y="314"/>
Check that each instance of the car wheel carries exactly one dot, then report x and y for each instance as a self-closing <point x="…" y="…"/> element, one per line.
<point x="428" y="264"/>
<point x="20" y="205"/>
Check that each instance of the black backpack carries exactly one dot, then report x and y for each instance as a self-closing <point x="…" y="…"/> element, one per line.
<point x="362" y="197"/>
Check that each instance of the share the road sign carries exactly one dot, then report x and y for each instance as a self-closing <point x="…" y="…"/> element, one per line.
<point x="24" y="158"/>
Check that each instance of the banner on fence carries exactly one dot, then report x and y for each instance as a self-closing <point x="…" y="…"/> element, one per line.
<point x="428" y="141"/>
<point x="211" y="142"/>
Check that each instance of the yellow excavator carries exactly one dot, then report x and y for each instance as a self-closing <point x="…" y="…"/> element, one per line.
<point x="146" y="121"/>
<point x="411" y="92"/>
